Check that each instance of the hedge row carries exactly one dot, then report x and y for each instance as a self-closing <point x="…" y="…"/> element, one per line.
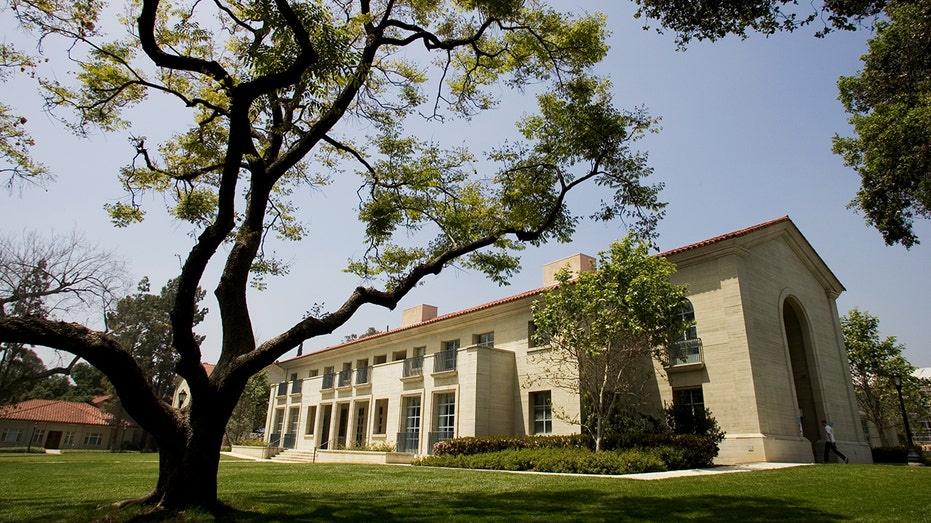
<point x="677" y="451"/>
<point x="483" y="445"/>
<point x="563" y="460"/>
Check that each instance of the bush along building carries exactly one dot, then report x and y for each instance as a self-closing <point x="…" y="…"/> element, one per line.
<point x="765" y="356"/>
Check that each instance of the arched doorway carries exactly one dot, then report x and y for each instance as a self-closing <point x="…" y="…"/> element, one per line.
<point x="800" y="355"/>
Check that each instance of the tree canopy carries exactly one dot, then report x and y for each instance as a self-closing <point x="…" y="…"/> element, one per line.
<point x="603" y="326"/>
<point x="284" y="97"/>
<point x="890" y="106"/>
<point x="873" y="362"/>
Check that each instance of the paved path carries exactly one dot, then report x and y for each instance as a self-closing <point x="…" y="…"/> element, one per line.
<point x="724" y="469"/>
<point x="645" y="476"/>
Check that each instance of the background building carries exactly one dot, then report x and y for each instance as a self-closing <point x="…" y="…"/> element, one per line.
<point x="53" y="424"/>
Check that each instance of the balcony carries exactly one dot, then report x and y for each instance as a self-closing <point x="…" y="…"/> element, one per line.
<point x="444" y="361"/>
<point x="686" y="354"/>
<point x="435" y="437"/>
<point x="344" y="379"/>
<point x="409" y="442"/>
<point x="362" y="376"/>
<point x="328" y="379"/>
<point x="296" y="386"/>
<point x="413" y="367"/>
<point x="283" y="388"/>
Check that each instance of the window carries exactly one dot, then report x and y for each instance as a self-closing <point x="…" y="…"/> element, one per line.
<point x="68" y="438"/>
<point x="486" y="339"/>
<point x="412" y="414"/>
<point x="446" y="413"/>
<point x="691" y="401"/>
<point x="293" y="377"/>
<point x="93" y="439"/>
<point x="399" y="355"/>
<point x="542" y="409"/>
<point x="687" y="348"/>
<point x="328" y="377"/>
<point x="381" y="416"/>
<point x="381" y="358"/>
<point x="313" y="373"/>
<point x="409" y="438"/>
<point x="293" y="416"/>
<point x="414" y="366"/>
<point x="311" y="420"/>
<point x="279" y="420"/>
<point x="12" y="435"/>
<point x="38" y="436"/>
<point x="445" y="360"/>
<point x="532" y="335"/>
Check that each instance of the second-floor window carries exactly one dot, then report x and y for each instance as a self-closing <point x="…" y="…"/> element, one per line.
<point x="486" y="339"/>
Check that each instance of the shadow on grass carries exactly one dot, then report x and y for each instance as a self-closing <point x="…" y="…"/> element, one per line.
<point x="572" y="505"/>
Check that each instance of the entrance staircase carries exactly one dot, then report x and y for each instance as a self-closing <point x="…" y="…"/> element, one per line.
<point x="294" y="456"/>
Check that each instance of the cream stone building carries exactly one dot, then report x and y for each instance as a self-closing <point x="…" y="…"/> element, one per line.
<point x="766" y="356"/>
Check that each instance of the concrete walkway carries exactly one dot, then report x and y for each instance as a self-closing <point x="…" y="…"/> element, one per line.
<point x="644" y="476"/>
<point x="724" y="469"/>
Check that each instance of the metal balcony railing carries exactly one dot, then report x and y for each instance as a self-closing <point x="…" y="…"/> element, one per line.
<point x="413" y="367"/>
<point x="435" y="437"/>
<point x="362" y="375"/>
<point x="344" y="378"/>
<point x="328" y="379"/>
<point x="283" y="388"/>
<point x="444" y="361"/>
<point x="685" y="352"/>
<point x="408" y="442"/>
<point x="288" y="441"/>
<point x="296" y="386"/>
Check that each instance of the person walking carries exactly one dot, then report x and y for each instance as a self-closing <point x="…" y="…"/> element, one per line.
<point x="830" y="444"/>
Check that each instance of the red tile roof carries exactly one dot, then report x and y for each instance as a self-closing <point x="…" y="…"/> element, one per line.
<point x="728" y="236"/>
<point x="716" y="239"/>
<point x="54" y="411"/>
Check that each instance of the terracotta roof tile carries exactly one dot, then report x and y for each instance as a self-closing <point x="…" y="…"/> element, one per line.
<point x="54" y="411"/>
<point x="716" y="239"/>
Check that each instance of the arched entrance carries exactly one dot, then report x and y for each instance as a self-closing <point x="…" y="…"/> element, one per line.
<point x="800" y="355"/>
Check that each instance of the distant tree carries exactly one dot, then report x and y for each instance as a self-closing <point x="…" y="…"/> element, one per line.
<point x="368" y="332"/>
<point x="142" y="324"/>
<point x="88" y="383"/>
<point x="41" y="277"/>
<point x="873" y="361"/>
<point x="54" y="387"/>
<point x="604" y="327"/>
<point x="251" y="410"/>
<point x="890" y="106"/>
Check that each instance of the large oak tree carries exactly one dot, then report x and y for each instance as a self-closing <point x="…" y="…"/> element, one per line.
<point x="286" y="95"/>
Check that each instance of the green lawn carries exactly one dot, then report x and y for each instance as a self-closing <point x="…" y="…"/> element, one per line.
<point x="81" y="487"/>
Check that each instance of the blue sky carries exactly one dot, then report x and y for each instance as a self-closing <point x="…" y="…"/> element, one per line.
<point x="747" y="128"/>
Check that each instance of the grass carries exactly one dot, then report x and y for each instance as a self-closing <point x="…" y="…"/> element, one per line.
<point x="82" y="486"/>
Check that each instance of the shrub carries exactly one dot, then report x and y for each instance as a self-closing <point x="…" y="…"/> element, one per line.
<point x="889" y="454"/>
<point x="251" y="442"/>
<point x="898" y="454"/>
<point x="559" y="460"/>
<point x="476" y="445"/>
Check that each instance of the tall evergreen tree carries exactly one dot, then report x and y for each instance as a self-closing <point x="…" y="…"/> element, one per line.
<point x="142" y="324"/>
